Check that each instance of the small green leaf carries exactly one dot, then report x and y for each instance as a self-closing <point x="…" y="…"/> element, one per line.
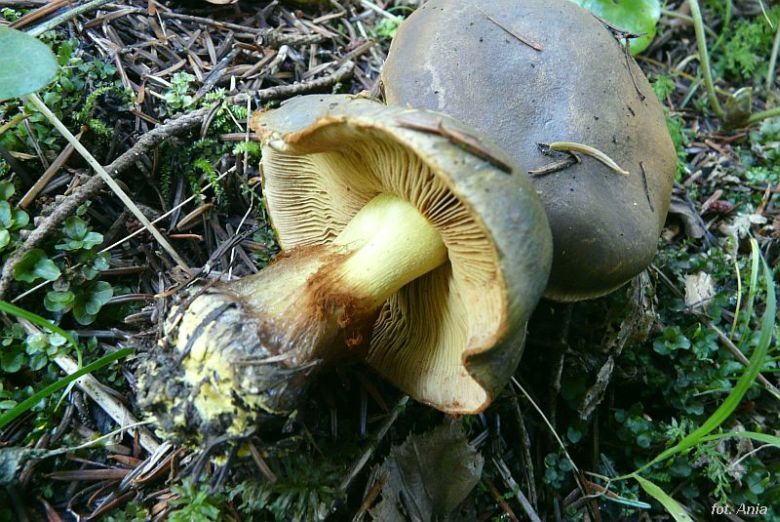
<point x="21" y="219"/>
<point x="6" y="190"/>
<point x="11" y="360"/>
<point x="26" y="64"/>
<point x="75" y="227"/>
<point x="92" y="239"/>
<point x="57" y="340"/>
<point x="5" y="238"/>
<point x="671" y="505"/>
<point x="35" y="265"/>
<point x="79" y="236"/>
<point x="38" y="361"/>
<point x="6" y="215"/>
<point x="101" y="261"/>
<point x="36" y="343"/>
<point x="56" y="301"/>
<point x="89" y="303"/>
<point x="635" y="16"/>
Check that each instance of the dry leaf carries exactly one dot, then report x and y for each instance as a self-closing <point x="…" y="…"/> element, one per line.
<point x="699" y="290"/>
<point x="428" y="475"/>
<point x="694" y="225"/>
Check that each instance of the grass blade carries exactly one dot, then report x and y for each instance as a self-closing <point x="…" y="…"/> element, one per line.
<point x="671" y="505"/>
<point x="58" y="385"/>
<point x="752" y="288"/>
<point x="758" y="437"/>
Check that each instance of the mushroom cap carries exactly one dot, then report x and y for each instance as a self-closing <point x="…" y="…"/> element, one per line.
<point x="453" y="337"/>
<point x="466" y="58"/>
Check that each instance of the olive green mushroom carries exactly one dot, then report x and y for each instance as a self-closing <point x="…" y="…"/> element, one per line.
<point x="536" y="75"/>
<point x="406" y="242"/>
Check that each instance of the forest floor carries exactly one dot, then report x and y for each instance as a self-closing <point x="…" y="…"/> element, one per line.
<point x="604" y="387"/>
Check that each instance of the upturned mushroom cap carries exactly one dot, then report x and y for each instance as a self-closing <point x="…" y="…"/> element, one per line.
<point x="570" y="81"/>
<point x="453" y="337"/>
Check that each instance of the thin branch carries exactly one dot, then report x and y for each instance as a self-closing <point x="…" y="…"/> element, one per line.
<point x="48" y="174"/>
<point x="64" y="17"/>
<point x="536" y="46"/>
<point x="510" y="482"/>
<point x="372" y="6"/>
<point x="366" y="455"/>
<point x="343" y="72"/>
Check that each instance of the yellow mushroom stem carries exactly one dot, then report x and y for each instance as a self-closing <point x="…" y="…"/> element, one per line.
<point x="246" y="348"/>
<point x="386" y="245"/>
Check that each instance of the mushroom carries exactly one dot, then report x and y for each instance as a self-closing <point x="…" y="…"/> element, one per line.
<point x="536" y="75"/>
<point x="406" y="242"/>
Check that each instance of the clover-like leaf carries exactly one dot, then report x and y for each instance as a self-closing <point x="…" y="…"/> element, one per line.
<point x="672" y="339"/>
<point x="89" y="302"/>
<point x="75" y="227"/>
<point x="57" y="301"/>
<point x="93" y="264"/>
<point x="6" y="190"/>
<point x="6" y="215"/>
<point x="26" y="63"/>
<point x="36" y="343"/>
<point x="21" y="219"/>
<point x="638" y="17"/>
<point x="5" y="238"/>
<point x="36" y="265"/>
<point x="11" y="360"/>
<point x="79" y="235"/>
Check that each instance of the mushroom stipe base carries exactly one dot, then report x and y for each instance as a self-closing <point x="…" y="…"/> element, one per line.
<point x="240" y="351"/>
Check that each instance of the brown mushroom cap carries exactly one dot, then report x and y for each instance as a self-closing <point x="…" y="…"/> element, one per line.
<point x="465" y="58"/>
<point x="452" y="337"/>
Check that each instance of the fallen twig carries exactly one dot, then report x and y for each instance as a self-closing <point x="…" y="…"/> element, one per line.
<point x="285" y="91"/>
<point x="366" y="455"/>
<point x="50" y="172"/>
<point x="64" y="17"/>
<point x="510" y="483"/>
<point x="536" y="46"/>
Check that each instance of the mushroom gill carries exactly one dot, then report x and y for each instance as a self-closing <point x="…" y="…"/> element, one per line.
<point x="422" y="332"/>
